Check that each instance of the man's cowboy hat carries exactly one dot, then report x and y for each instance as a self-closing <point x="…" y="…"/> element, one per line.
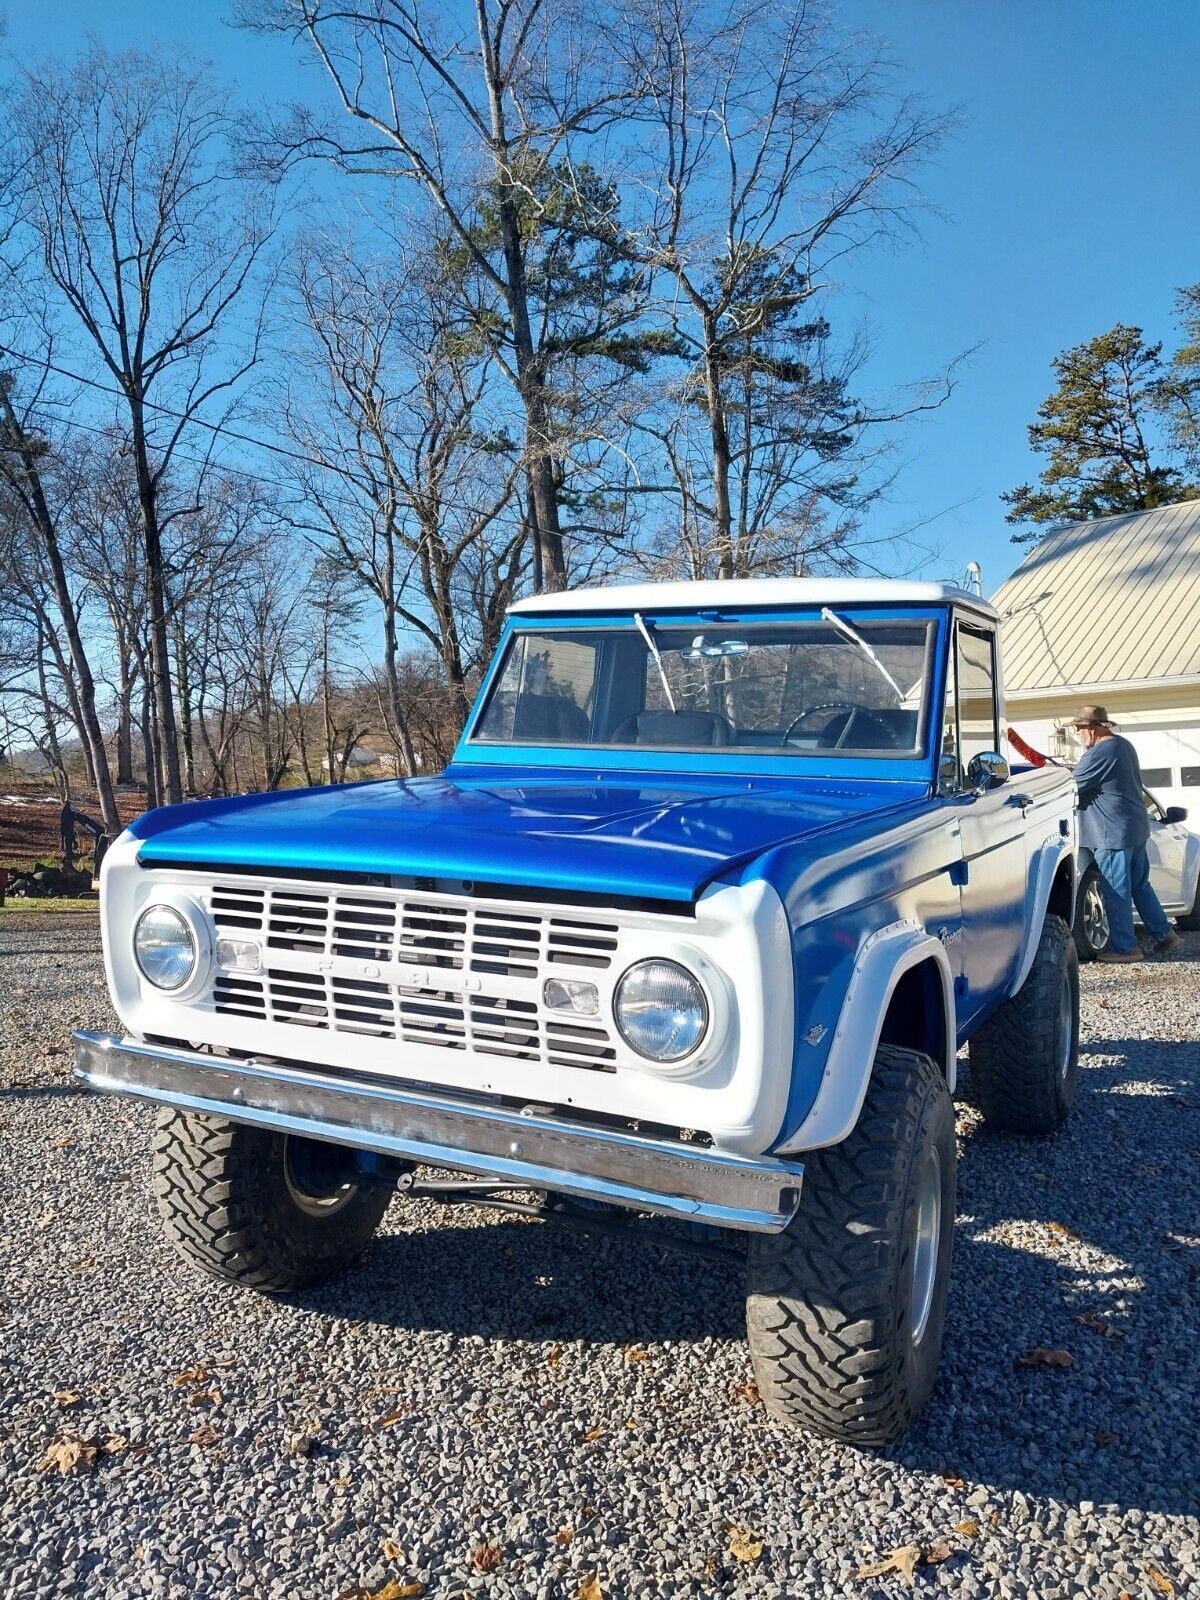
<point x="1091" y="717"/>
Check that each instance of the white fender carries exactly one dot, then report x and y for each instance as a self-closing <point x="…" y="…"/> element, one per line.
<point x="883" y="959"/>
<point x="1046" y="865"/>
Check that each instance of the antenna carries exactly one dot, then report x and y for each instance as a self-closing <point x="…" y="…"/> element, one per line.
<point x="974" y="581"/>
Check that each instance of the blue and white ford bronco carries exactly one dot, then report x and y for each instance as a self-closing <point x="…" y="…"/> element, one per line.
<point x="693" y="927"/>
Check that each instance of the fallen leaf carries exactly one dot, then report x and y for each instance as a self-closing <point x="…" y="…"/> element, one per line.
<point x="952" y="1482"/>
<point x="590" y="1588"/>
<point x="634" y="1352"/>
<point x="85" y="1265"/>
<point x="994" y="1520"/>
<point x="1160" y="1581"/>
<point x="746" y="1394"/>
<point x="745" y="1544"/>
<point x="632" y="1426"/>
<point x="205" y="1397"/>
<point x="555" y="1356"/>
<point x="1061" y="1231"/>
<point x="1040" y="1357"/>
<point x="486" y="1557"/>
<point x="207" y="1433"/>
<point x="69" y="1454"/>
<point x="392" y="1590"/>
<point x="65" y="1142"/>
<point x="934" y="1554"/>
<point x="968" y="1529"/>
<point x="392" y="1551"/>
<point x="114" y="1444"/>
<point x="904" y="1560"/>
<point x="300" y="1442"/>
<point x="391" y="1418"/>
<point x="45" y="1221"/>
<point x="189" y="1375"/>
<point x="564" y="1536"/>
<point x="712" y="1565"/>
<point x="1089" y="1319"/>
<point x="68" y="1397"/>
<point x="593" y="1434"/>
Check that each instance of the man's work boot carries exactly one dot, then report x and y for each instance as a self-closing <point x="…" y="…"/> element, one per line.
<point x="1120" y="958"/>
<point x="1169" y="941"/>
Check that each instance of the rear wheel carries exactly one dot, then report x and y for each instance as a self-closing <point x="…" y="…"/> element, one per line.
<point x="1092" y="932"/>
<point x="1025" y="1057"/>
<point x="845" y="1308"/>
<point x="266" y="1210"/>
<point x="1191" y="921"/>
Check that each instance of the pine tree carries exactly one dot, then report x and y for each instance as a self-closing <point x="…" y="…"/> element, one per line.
<point x="1093" y="430"/>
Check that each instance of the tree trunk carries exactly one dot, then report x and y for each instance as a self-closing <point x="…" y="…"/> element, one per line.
<point x="399" y="720"/>
<point x="184" y="690"/>
<point x="93" y="735"/>
<point x="719" y="433"/>
<point x="149" y="749"/>
<point x="164" y="703"/>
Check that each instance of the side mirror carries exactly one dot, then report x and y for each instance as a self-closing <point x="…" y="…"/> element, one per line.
<point x="1175" y="814"/>
<point x="987" y="770"/>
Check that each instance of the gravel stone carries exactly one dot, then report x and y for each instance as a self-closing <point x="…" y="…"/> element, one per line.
<point x="1078" y="1481"/>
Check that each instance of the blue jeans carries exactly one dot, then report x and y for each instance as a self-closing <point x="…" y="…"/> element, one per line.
<point x="1125" y="883"/>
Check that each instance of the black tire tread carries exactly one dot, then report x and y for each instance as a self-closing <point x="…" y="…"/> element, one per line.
<point x="1013" y="1071"/>
<point x="208" y="1187"/>
<point x="821" y="1314"/>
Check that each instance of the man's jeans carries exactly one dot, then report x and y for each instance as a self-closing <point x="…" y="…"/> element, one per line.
<point x="1125" y="883"/>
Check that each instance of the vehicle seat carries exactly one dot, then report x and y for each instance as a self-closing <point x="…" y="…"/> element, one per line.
<point x="687" y="728"/>
<point x="551" y="716"/>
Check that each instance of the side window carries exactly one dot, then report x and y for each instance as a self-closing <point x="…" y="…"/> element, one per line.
<point x="544" y="693"/>
<point x="975" y="665"/>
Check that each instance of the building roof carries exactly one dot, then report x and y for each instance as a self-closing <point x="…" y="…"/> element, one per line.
<point x="743" y="594"/>
<point x="1105" y="605"/>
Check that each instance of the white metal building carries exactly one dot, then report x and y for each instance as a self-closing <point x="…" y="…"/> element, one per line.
<point x="1109" y="611"/>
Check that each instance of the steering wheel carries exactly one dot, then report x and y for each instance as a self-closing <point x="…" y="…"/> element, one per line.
<point x="855" y="711"/>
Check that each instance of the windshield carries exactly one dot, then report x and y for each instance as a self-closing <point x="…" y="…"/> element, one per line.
<point x="844" y="685"/>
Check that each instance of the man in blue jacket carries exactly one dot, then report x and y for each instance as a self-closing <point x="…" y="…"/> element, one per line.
<point x="1114" y="826"/>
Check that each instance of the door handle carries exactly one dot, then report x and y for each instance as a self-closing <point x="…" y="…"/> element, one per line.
<point x="1022" y="800"/>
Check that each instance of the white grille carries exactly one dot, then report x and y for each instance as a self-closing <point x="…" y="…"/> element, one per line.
<point x="460" y="975"/>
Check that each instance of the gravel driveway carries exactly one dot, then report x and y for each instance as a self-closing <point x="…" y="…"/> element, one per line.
<point x="491" y="1407"/>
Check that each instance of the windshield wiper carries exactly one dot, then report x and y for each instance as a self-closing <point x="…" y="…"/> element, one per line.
<point x="844" y="628"/>
<point x="653" y="649"/>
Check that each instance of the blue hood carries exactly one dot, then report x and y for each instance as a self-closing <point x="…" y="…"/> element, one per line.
<point x="636" y="835"/>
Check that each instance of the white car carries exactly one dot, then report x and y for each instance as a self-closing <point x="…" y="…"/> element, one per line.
<point x="1174" y="852"/>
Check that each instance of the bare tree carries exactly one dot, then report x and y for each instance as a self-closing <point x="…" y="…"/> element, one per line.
<point x="770" y="148"/>
<point x="23" y="457"/>
<point x="415" y="478"/>
<point x="149" y="244"/>
<point x="479" y="113"/>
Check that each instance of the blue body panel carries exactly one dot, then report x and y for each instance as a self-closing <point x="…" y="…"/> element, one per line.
<point x="639" y="834"/>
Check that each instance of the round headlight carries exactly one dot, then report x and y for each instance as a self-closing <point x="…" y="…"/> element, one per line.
<point x="164" y="947"/>
<point x="660" y="1010"/>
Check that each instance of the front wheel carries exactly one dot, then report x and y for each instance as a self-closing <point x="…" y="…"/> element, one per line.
<point x="1091" y="931"/>
<point x="845" y="1308"/>
<point x="265" y="1210"/>
<point x="1025" y="1057"/>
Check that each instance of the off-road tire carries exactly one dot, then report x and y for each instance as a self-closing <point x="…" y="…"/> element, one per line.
<point x="1024" y="1074"/>
<point x="1190" y="921"/>
<point x="829" y="1301"/>
<point x="227" y="1205"/>
<point x="1087" y="946"/>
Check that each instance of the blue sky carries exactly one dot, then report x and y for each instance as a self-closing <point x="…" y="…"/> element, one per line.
<point x="1068" y="200"/>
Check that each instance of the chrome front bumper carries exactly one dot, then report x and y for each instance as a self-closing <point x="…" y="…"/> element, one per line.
<point x="532" y="1151"/>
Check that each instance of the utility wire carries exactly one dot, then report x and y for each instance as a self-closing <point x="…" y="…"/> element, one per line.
<point x="217" y="428"/>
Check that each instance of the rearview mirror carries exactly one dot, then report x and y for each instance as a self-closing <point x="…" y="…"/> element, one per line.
<point x="987" y="770"/>
<point x="1175" y="814"/>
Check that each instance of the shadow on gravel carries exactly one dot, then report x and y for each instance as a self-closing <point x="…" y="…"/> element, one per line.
<point x="41" y="1091"/>
<point x="1123" y="1180"/>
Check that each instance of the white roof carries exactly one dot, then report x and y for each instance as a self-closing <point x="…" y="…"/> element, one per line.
<point x="1102" y="605"/>
<point x="743" y="594"/>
